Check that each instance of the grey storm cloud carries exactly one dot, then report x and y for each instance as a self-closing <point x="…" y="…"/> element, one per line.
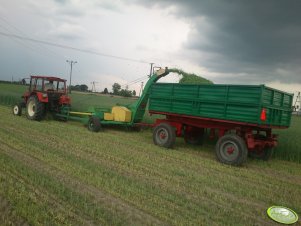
<point x="248" y="37"/>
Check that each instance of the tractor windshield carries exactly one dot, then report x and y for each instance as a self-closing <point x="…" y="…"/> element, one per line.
<point x="57" y="86"/>
<point x="37" y="84"/>
<point x="47" y="85"/>
<point x="61" y="86"/>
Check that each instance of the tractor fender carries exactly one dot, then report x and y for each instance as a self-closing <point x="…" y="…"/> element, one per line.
<point x="43" y="97"/>
<point x="65" y="100"/>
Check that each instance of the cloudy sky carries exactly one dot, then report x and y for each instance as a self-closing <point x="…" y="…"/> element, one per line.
<point x="226" y="41"/>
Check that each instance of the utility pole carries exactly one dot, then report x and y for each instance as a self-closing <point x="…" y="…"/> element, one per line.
<point x="141" y="88"/>
<point x="93" y="87"/>
<point x="151" y="69"/>
<point x="297" y="108"/>
<point x="71" y="62"/>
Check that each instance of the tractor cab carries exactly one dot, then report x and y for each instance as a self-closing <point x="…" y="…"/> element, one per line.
<point x="45" y="94"/>
<point x="47" y="84"/>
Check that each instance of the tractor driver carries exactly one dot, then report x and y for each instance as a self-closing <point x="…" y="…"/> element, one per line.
<point x="49" y="86"/>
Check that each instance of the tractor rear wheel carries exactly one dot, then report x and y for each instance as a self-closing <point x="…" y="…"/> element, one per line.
<point x="164" y="135"/>
<point x="17" y="109"/>
<point x="94" y="124"/>
<point x="35" y="109"/>
<point x="231" y="149"/>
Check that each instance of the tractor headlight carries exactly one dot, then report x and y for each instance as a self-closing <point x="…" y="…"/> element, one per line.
<point x="44" y="95"/>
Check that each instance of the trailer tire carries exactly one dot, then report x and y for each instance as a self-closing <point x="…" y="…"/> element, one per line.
<point x="231" y="149"/>
<point x="164" y="135"/>
<point x="194" y="136"/>
<point x="94" y="124"/>
<point x="35" y="110"/>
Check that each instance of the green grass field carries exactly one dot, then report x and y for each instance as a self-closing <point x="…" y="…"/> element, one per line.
<point x="9" y="93"/>
<point x="55" y="173"/>
<point x="289" y="146"/>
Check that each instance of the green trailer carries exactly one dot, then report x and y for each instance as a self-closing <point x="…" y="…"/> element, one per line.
<point x="241" y="116"/>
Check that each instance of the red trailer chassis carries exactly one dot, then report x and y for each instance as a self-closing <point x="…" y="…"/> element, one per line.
<point x="235" y="139"/>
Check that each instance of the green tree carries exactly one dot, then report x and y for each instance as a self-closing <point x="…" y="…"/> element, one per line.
<point x="116" y="88"/>
<point x="83" y="88"/>
<point x="134" y="93"/>
<point x="105" y="91"/>
<point x="125" y="93"/>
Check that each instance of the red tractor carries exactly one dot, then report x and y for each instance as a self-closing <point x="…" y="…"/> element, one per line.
<point x="45" y="94"/>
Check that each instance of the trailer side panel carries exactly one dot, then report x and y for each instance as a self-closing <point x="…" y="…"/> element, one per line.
<point x="242" y="103"/>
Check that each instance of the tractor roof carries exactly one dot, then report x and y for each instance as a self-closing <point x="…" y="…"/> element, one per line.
<point x="50" y="78"/>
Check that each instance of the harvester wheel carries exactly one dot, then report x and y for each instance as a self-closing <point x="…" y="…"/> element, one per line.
<point x="94" y="124"/>
<point x="194" y="135"/>
<point x="231" y="149"/>
<point x="35" y="109"/>
<point x="164" y="135"/>
<point x="17" y="109"/>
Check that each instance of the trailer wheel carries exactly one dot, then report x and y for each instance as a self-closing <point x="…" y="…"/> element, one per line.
<point x="35" y="109"/>
<point x="164" y="135"/>
<point x="194" y="136"/>
<point x="17" y="109"/>
<point x="231" y="149"/>
<point x="94" y="124"/>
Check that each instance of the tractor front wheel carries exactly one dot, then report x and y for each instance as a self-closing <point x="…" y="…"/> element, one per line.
<point x="231" y="149"/>
<point x="35" y="109"/>
<point x="17" y="109"/>
<point x="164" y="135"/>
<point x="94" y="124"/>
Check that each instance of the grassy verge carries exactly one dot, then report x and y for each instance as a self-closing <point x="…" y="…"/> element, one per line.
<point x="59" y="173"/>
<point x="289" y="147"/>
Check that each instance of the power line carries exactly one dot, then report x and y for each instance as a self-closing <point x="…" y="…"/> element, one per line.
<point x="22" y="41"/>
<point x="72" y="48"/>
<point x="135" y="81"/>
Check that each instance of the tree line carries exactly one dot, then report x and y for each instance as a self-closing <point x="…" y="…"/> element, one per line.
<point x="116" y="90"/>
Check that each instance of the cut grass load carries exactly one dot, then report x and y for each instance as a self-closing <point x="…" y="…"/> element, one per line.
<point x="56" y="173"/>
<point x="190" y="78"/>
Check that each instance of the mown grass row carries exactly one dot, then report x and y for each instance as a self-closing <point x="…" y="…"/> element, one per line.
<point x="155" y="186"/>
